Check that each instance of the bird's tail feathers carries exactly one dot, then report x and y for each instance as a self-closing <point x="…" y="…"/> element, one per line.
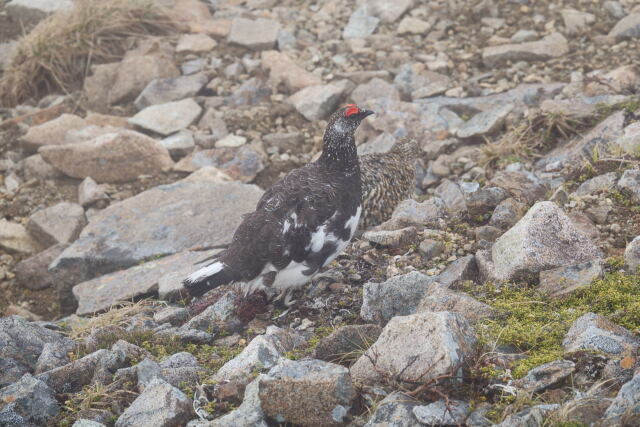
<point x="206" y="278"/>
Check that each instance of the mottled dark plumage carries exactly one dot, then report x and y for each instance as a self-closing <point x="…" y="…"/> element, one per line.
<point x="387" y="179"/>
<point x="300" y="224"/>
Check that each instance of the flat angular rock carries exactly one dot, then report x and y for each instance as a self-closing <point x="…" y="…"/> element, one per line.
<point x="114" y="157"/>
<point x="160" y="404"/>
<point x="102" y="292"/>
<point x="626" y="28"/>
<point x="545" y="376"/>
<point x="412" y="213"/>
<point x="625" y="408"/>
<point x="345" y="340"/>
<point x="160" y="221"/>
<point x="423" y="345"/>
<point x="241" y="164"/>
<point x="507" y="213"/>
<point x="597" y="184"/>
<point x="388" y="11"/>
<point x="53" y="132"/>
<point x="161" y="91"/>
<point x="10" y="371"/>
<point x="484" y="123"/>
<point x="89" y="193"/>
<point x="169" y="117"/>
<point x="374" y="88"/>
<point x="440" y="298"/>
<point x="632" y="254"/>
<point x="416" y="82"/>
<point x="552" y="46"/>
<point x="317" y="102"/>
<point x="395" y="410"/>
<point x="524" y="186"/>
<point x="630" y="184"/>
<point x="630" y="141"/>
<point x="33" y="273"/>
<point x="543" y="239"/>
<point x="15" y="238"/>
<point x="576" y="21"/>
<point x="195" y="43"/>
<point x="248" y="414"/>
<point x="452" y="196"/>
<point x="256" y="34"/>
<point x="484" y="200"/>
<point x="61" y="223"/>
<point x="263" y="352"/>
<point x="562" y="281"/>
<point x="179" y="144"/>
<point x="361" y="24"/>
<point x="529" y="417"/>
<point x="594" y="332"/>
<point x="283" y="69"/>
<point x="52" y="356"/>
<point x="24" y="341"/>
<point x="393" y="239"/>
<point x="307" y="392"/>
<point x="27" y="401"/>
<point x="410" y="25"/>
<point x="398" y="296"/>
<point x="440" y="413"/>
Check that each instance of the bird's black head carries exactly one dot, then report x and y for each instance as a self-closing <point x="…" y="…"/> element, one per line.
<point x="346" y="120"/>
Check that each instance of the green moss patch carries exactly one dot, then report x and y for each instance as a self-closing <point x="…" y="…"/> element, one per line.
<point x="534" y="324"/>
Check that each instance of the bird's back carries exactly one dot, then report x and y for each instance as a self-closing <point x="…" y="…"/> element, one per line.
<point x="387" y="179"/>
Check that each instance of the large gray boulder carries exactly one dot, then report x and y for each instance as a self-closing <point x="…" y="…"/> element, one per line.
<point x="161" y="221"/>
<point x="159" y="405"/>
<point x="543" y="239"/>
<point x="596" y="333"/>
<point x="24" y="341"/>
<point x="26" y="402"/>
<point x="417" y="347"/>
<point x="102" y="292"/>
<point x="307" y="392"/>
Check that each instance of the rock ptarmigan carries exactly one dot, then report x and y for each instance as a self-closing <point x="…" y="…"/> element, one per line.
<point x="300" y="224"/>
<point x="387" y="179"/>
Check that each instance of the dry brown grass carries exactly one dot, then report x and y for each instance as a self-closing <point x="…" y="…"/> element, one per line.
<point x="531" y="138"/>
<point x="117" y="315"/>
<point x="57" y="54"/>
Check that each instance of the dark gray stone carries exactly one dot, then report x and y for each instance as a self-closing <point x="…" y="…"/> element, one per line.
<point x="160" y="91"/>
<point x="27" y="401"/>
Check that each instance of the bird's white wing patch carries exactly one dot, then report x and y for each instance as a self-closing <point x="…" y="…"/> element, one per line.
<point x="206" y="271"/>
<point x="291" y="276"/>
<point x="352" y="223"/>
<point x="318" y="238"/>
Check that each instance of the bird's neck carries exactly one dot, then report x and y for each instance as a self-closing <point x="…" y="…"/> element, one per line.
<point x="339" y="152"/>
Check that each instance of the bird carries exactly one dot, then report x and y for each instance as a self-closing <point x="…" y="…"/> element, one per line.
<point x="387" y="179"/>
<point x="300" y="224"/>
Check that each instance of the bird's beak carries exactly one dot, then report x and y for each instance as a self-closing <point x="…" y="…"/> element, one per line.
<point x="364" y="113"/>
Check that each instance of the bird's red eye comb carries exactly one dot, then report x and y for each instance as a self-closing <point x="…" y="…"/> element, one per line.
<point x="351" y="109"/>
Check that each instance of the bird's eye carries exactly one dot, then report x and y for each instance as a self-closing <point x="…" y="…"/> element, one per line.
<point x="351" y="110"/>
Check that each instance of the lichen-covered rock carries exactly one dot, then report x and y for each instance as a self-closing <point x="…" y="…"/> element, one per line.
<point x="544" y="238"/>
<point x="420" y="346"/>
<point x="630" y="183"/>
<point x="625" y="408"/>
<point x="307" y="392"/>
<point x="564" y="280"/>
<point x="27" y="402"/>
<point x="440" y="298"/>
<point x="398" y="296"/>
<point x="594" y="332"/>
<point x="545" y="376"/>
<point x="159" y="405"/>
<point x="597" y="184"/>
<point x="530" y="417"/>
<point x="632" y="254"/>
<point x="441" y="413"/>
<point x="61" y="223"/>
<point x="24" y="341"/>
<point x="396" y="410"/>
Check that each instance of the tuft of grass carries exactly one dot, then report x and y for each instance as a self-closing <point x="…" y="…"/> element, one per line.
<point x="117" y="315"/>
<point x="57" y="54"/>
<point x="530" y="138"/>
<point x="535" y="325"/>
